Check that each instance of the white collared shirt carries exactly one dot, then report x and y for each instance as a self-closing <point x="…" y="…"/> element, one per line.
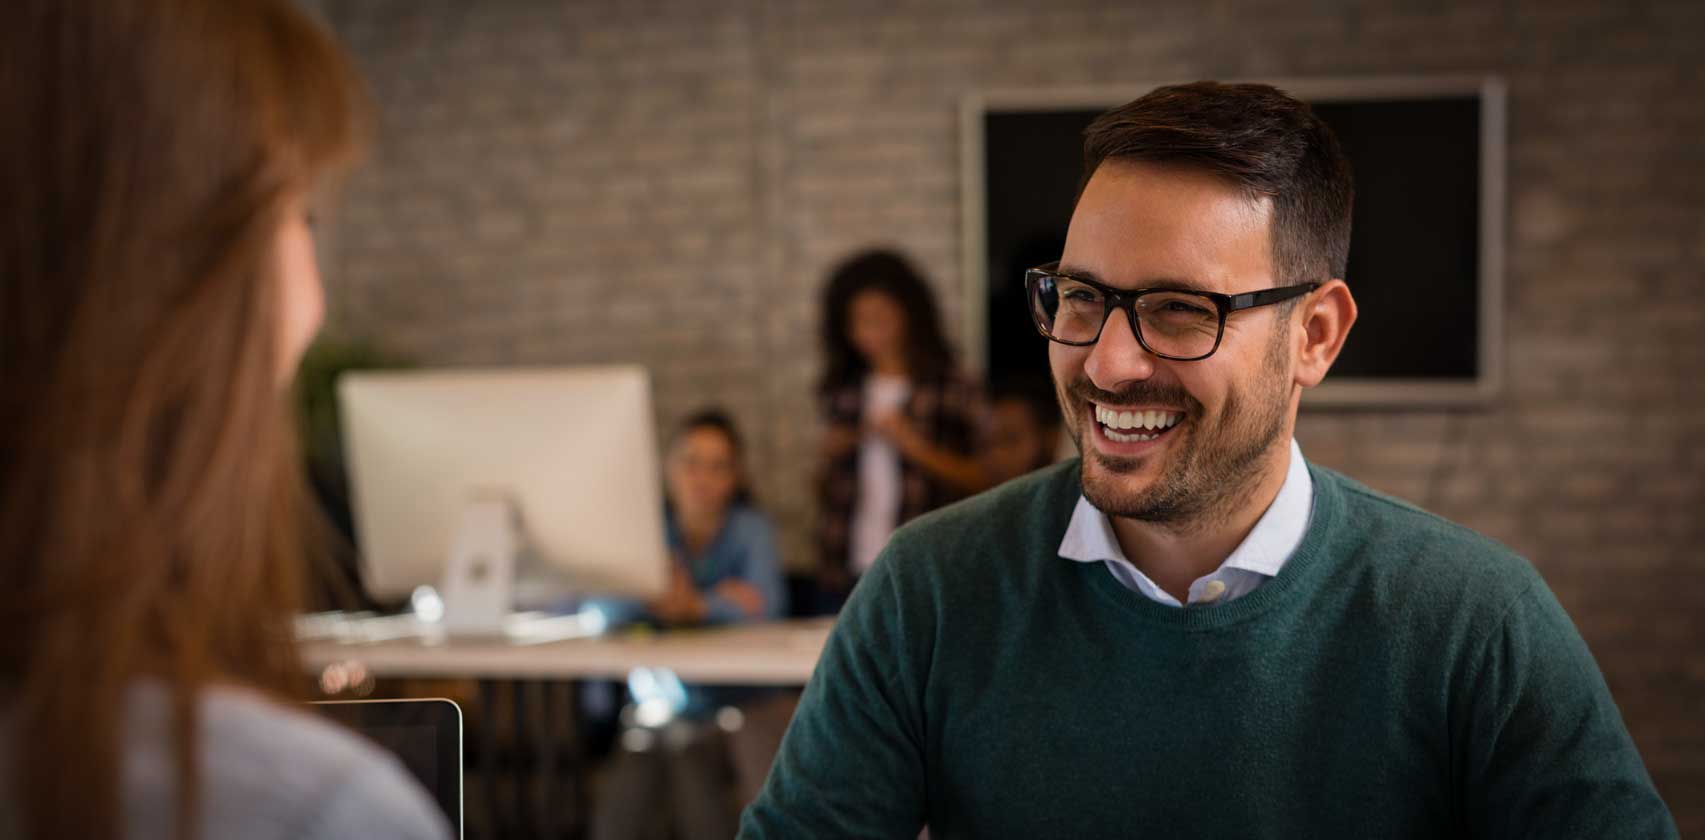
<point x="1276" y="535"/>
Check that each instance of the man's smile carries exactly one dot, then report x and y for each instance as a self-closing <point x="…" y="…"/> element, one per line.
<point x="1127" y="425"/>
<point x="1132" y="430"/>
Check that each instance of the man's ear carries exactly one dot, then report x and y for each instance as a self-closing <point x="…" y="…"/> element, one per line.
<point x="1326" y="316"/>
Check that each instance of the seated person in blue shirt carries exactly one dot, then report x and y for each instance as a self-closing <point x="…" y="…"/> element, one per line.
<point x="725" y="567"/>
<point x="724" y="549"/>
<point x="725" y="570"/>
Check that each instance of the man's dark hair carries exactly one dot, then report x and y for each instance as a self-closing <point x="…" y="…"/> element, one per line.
<point x="1254" y="136"/>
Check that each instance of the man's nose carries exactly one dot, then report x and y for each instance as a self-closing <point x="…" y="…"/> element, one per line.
<point x="1117" y="357"/>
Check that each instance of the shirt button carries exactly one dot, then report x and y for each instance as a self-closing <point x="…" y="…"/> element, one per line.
<point x="1213" y="591"/>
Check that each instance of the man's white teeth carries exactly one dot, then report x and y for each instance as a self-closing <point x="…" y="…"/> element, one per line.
<point x="1122" y="438"/>
<point x="1151" y="420"/>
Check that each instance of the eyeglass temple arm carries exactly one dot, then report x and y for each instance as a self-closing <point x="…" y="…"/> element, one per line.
<point x="1249" y="300"/>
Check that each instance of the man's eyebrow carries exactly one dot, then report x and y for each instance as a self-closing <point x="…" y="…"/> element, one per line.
<point x="1181" y="283"/>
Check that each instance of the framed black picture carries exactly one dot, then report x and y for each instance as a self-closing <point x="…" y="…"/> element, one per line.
<point x="1426" y="248"/>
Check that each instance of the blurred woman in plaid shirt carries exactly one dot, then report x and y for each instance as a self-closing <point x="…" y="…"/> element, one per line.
<point x="901" y="422"/>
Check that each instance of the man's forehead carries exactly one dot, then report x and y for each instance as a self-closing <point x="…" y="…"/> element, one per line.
<point x="1142" y="223"/>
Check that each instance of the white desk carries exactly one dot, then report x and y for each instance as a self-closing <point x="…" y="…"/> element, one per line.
<point x="780" y="653"/>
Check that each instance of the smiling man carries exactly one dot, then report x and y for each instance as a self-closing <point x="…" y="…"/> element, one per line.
<point x="1190" y="631"/>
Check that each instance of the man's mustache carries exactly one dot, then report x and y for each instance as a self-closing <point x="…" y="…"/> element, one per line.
<point x="1147" y="393"/>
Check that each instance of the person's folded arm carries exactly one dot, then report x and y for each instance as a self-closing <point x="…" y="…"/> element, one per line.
<point x="756" y="591"/>
<point x="733" y="601"/>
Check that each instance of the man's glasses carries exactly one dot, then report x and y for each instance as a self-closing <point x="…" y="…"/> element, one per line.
<point x="1175" y="324"/>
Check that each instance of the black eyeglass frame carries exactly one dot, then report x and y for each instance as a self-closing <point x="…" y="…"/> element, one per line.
<point x="1126" y="300"/>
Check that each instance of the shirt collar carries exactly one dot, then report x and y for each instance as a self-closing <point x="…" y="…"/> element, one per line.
<point x="1090" y="538"/>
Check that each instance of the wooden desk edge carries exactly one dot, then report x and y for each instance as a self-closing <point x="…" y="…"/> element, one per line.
<point x="781" y="653"/>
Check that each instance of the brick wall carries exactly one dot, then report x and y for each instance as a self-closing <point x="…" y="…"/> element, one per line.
<point x="667" y="182"/>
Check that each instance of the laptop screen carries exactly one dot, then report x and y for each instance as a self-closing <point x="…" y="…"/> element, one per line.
<point x="426" y="735"/>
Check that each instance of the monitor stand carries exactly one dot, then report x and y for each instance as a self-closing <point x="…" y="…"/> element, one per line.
<point x="479" y="584"/>
<point x="479" y="579"/>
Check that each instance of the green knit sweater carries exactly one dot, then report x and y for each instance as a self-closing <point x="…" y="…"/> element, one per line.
<point x="1401" y="677"/>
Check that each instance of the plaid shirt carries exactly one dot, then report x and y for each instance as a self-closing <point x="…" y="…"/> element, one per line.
<point x="947" y="411"/>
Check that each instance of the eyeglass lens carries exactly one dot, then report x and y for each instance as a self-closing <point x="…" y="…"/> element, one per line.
<point x="1172" y="323"/>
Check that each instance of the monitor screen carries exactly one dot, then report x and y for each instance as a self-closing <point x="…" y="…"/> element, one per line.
<point x="573" y="450"/>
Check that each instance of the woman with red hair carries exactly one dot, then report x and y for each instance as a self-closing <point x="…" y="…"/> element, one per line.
<point x="157" y="286"/>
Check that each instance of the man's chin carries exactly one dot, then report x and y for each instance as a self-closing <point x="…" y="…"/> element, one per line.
<point x="1116" y="465"/>
<point x="1128" y="487"/>
<point x="1107" y="479"/>
<point x="1146" y="501"/>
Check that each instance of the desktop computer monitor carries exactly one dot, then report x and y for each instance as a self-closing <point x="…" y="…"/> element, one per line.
<point x="570" y="453"/>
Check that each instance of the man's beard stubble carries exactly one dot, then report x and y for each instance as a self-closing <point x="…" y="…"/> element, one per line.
<point x="1206" y="478"/>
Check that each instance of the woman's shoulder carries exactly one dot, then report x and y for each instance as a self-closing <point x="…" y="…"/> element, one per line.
<point x="270" y="769"/>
